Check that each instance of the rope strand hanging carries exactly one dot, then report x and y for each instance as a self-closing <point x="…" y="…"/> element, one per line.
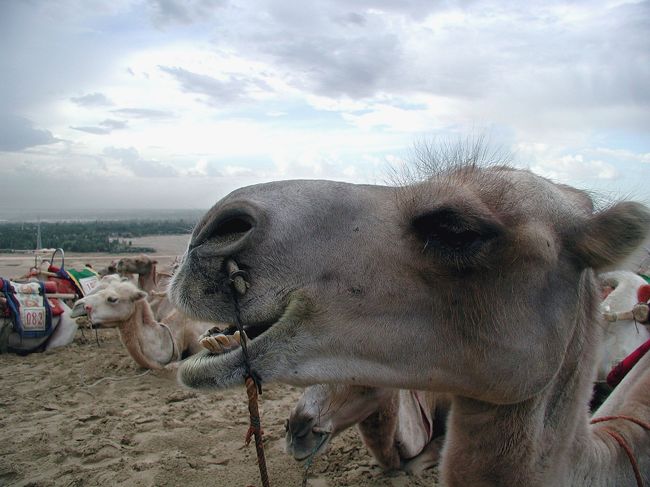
<point x="252" y="381"/>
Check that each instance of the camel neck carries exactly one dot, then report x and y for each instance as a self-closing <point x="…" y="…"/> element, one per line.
<point x="147" y="282"/>
<point x="536" y="442"/>
<point x="133" y="333"/>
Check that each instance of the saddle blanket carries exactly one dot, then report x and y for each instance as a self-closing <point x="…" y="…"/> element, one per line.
<point x="29" y="308"/>
<point x="73" y="281"/>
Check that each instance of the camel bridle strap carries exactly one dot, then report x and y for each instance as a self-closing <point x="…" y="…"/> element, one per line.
<point x="174" y="347"/>
<point x="251" y="379"/>
<point x="621" y="441"/>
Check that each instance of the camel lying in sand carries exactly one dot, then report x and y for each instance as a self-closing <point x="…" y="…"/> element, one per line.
<point x="622" y="335"/>
<point x="142" y="265"/>
<point x="401" y="429"/>
<point x="477" y="281"/>
<point x="150" y="280"/>
<point x="65" y="328"/>
<point x="153" y="345"/>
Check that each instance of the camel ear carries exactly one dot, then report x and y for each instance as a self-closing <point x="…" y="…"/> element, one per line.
<point x="607" y="238"/>
<point x="140" y="294"/>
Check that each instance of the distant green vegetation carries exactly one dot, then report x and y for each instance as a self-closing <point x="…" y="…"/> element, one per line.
<point x="97" y="236"/>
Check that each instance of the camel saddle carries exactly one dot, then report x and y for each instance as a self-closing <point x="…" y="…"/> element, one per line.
<point x="26" y="314"/>
<point x="73" y="281"/>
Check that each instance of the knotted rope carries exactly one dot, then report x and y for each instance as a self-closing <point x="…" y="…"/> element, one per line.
<point x="252" y="380"/>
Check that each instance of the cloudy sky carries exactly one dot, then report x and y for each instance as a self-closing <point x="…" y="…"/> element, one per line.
<point x="172" y="104"/>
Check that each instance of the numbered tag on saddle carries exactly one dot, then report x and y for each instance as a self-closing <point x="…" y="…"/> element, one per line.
<point x="33" y="318"/>
<point x="88" y="284"/>
<point x="29" y="308"/>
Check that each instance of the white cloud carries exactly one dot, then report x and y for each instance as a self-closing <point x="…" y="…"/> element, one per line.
<point x="244" y="92"/>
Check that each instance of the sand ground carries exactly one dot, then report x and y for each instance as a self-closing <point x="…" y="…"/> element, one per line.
<point x="85" y="415"/>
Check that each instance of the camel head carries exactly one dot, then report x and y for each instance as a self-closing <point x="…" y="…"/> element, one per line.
<point x="325" y="410"/>
<point x="142" y="265"/>
<point x="113" y="304"/>
<point x="469" y="282"/>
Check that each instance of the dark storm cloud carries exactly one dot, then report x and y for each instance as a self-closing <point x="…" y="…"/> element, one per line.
<point x="91" y="100"/>
<point x="18" y="133"/>
<point x="235" y="88"/>
<point x="131" y="159"/>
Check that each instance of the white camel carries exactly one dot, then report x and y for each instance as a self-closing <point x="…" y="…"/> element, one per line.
<point x="622" y="334"/>
<point x="152" y="344"/>
<point x="64" y="325"/>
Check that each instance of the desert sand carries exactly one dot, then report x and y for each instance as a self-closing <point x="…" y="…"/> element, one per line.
<point x="87" y="415"/>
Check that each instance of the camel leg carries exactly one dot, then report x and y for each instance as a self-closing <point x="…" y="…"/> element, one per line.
<point x="429" y="457"/>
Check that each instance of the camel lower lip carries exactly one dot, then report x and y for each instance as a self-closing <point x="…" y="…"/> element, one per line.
<point x="321" y="446"/>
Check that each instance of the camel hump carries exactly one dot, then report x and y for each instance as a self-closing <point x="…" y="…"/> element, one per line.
<point x="609" y="237"/>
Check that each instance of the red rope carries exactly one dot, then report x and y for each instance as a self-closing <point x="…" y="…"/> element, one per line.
<point x="621" y="441"/>
<point x="255" y="429"/>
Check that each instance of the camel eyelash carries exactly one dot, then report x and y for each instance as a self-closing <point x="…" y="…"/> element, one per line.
<point x="453" y="238"/>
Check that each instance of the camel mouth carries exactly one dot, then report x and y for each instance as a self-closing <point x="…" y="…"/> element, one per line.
<point x="78" y="310"/>
<point x="253" y="330"/>
<point x="270" y="351"/>
<point x="219" y="341"/>
<point x="303" y="454"/>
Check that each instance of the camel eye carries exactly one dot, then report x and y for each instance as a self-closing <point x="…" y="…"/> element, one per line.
<point x="445" y="228"/>
<point x="112" y="299"/>
<point x="452" y="235"/>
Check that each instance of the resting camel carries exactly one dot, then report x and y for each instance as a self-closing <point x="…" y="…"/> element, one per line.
<point x="153" y="345"/>
<point x="622" y="334"/>
<point x="65" y="328"/>
<point x="476" y="281"/>
<point x="142" y="265"/>
<point x="152" y="281"/>
<point x="401" y="429"/>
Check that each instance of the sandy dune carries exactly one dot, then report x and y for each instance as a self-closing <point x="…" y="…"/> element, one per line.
<point x="85" y="416"/>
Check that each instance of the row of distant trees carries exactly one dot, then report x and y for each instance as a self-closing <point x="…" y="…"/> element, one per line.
<point x="97" y="236"/>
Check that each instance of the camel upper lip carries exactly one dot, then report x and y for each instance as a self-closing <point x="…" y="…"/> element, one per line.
<point x="78" y="311"/>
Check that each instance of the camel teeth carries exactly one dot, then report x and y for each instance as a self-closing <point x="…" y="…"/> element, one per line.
<point x="211" y="344"/>
<point x="222" y="339"/>
<point x="237" y="336"/>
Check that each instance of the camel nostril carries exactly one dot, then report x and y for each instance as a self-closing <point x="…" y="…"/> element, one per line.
<point x="232" y="226"/>
<point x="225" y="230"/>
<point x="88" y="308"/>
